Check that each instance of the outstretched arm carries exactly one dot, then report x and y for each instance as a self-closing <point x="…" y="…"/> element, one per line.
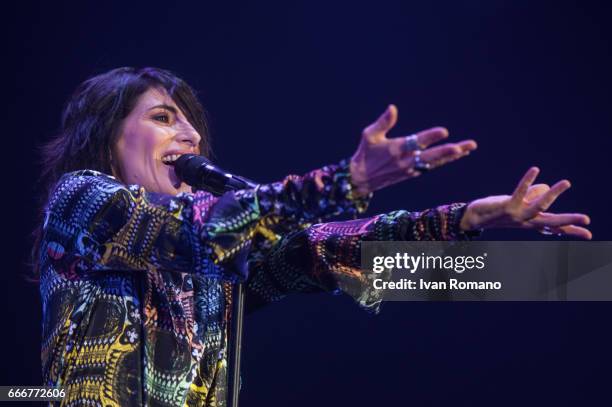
<point x="327" y="256"/>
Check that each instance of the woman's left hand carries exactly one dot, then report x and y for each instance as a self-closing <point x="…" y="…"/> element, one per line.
<point x="381" y="161"/>
<point x="526" y="209"/>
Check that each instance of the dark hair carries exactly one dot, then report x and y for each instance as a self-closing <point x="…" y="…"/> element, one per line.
<point x="90" y="125"/>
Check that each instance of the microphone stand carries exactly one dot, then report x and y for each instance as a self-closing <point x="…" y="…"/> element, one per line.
<point x="235" y="347"/>
<point x="216" y="184"/>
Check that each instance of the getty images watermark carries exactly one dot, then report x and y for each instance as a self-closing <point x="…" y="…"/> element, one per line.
<point x="493" y="271"/>
<point x="411" y="264"/>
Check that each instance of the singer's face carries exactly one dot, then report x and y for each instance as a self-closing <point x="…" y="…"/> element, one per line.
<point x="154" y="129"/>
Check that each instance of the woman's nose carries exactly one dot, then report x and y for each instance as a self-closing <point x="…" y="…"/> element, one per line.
<point x="187" y="134"/>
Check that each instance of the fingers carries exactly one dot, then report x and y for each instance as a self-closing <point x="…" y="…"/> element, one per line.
<point x="577" y="231"/>
<point x="559" y="219"/>
<point x="468" y="145"/>
<point x="542" y="203"/>
<point x="428" y="137"/>
<point x="439" y="155"/>
<point x="570" y="230"/>
<point x="535" y="191"/>
<point x="521" y="190"/>
<point x="443" y="154"/>
<point x="377" y="130"/>
<point x="562" y="224"/>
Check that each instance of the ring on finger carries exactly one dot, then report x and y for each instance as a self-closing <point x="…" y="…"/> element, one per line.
<point x="411" y="143"/>
<point x="419" y="164"/>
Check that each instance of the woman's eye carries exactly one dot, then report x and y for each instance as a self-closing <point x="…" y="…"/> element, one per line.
<point x="162" y="118"/>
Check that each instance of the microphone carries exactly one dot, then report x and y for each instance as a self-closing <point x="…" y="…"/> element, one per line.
<point x="201" y="174"/>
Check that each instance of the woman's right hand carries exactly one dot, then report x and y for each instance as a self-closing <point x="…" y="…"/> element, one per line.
<point x="526" y="209"/>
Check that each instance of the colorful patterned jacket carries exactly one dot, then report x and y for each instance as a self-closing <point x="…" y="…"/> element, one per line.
<point x="136" y="286"/>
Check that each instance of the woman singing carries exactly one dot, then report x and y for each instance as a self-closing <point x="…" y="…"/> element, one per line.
<point x="136" y="269"/>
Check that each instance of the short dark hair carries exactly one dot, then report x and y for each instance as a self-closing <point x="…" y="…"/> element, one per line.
<point x="91" y="120"/>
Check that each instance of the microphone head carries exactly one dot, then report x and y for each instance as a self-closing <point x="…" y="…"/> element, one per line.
<point x="188" y="168"/>
<point x="201" y="174"/>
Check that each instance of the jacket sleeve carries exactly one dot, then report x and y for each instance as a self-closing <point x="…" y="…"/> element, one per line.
<point x="93" y="222"/>
<point x="315" y="196"/>
<point x="327" y="256"/>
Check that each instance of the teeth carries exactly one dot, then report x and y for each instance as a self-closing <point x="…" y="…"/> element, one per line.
<point x="170" y="158"/>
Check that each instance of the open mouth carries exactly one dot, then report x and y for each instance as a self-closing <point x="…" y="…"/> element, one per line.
<point x="170" y="159"/>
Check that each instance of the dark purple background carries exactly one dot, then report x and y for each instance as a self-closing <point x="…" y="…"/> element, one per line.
<point x="289" y="86"/>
